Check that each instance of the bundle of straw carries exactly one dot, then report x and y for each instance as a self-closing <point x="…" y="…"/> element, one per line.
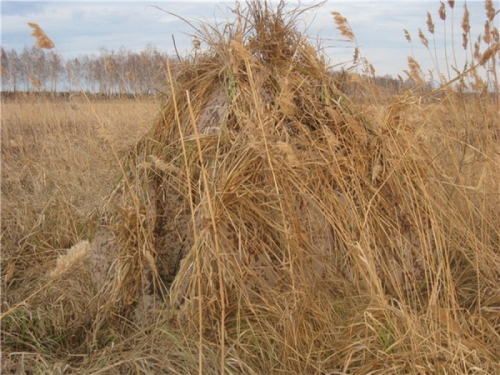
<point x="262" y="189"/>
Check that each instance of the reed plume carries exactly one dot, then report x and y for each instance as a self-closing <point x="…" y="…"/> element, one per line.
<point x="465" y="27"/>
<point x="41" y="39"/>
<point x="407" y="36"/>
<point x="489" y="53"/>
<point x="430" y="24"/>
<point x="487" y="33"/>
<point x="73" y="257"/>
<point x="423" y="38"/>
<point x="490" y="10"/>
<point x="442" y="11"/>
<point x="343" y="26"/>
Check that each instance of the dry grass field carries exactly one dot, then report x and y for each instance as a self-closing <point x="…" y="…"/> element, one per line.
<point x="319" y="233"/>
<point x="59" y="160"/>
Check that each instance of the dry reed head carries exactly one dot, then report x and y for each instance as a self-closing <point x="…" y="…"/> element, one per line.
<point x="430" y="24"/>
<point x="41" y="39"/>
<point x="343" y="26"/>
<point x="490" y="10"/>
<point x="487" y="33"/>
<point x="495" y="35"/>
<point x="415" y="70"/>
<point x="355" y="56"/>
<point x="451" y="3"/>
<point x="423" y="38"/>
<point x="465" y="27"/>
<point x="477" y="49"/>
<point x="489" y="53"/>
<point x="407" y="36"/>
<point x="73" y="258"/>
<point x="442" y="11"/>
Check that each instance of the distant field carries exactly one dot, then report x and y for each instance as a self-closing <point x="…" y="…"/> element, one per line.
<point x="59" y="156"/>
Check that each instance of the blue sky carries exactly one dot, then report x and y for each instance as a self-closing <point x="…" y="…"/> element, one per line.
<point x="79" y="27"/>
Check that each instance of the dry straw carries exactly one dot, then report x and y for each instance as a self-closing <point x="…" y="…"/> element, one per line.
<point x="308" y="234"/>
<point x="300" y="226"/>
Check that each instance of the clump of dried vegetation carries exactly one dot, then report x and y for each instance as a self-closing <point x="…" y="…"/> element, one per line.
<point x="277" y="223"/>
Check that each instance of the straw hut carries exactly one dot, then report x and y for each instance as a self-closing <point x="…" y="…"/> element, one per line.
<point x="260" y="179"/>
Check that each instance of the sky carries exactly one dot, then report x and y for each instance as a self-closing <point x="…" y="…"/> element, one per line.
<point x="83" y="27"/>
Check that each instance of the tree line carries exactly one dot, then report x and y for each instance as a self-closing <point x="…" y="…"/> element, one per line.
<point x="109" y="72"/>
<point x="125" y="72"/>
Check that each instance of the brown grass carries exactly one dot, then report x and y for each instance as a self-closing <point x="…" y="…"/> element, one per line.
<point x="57" y="166"/>
<point x="319" y="235"/>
